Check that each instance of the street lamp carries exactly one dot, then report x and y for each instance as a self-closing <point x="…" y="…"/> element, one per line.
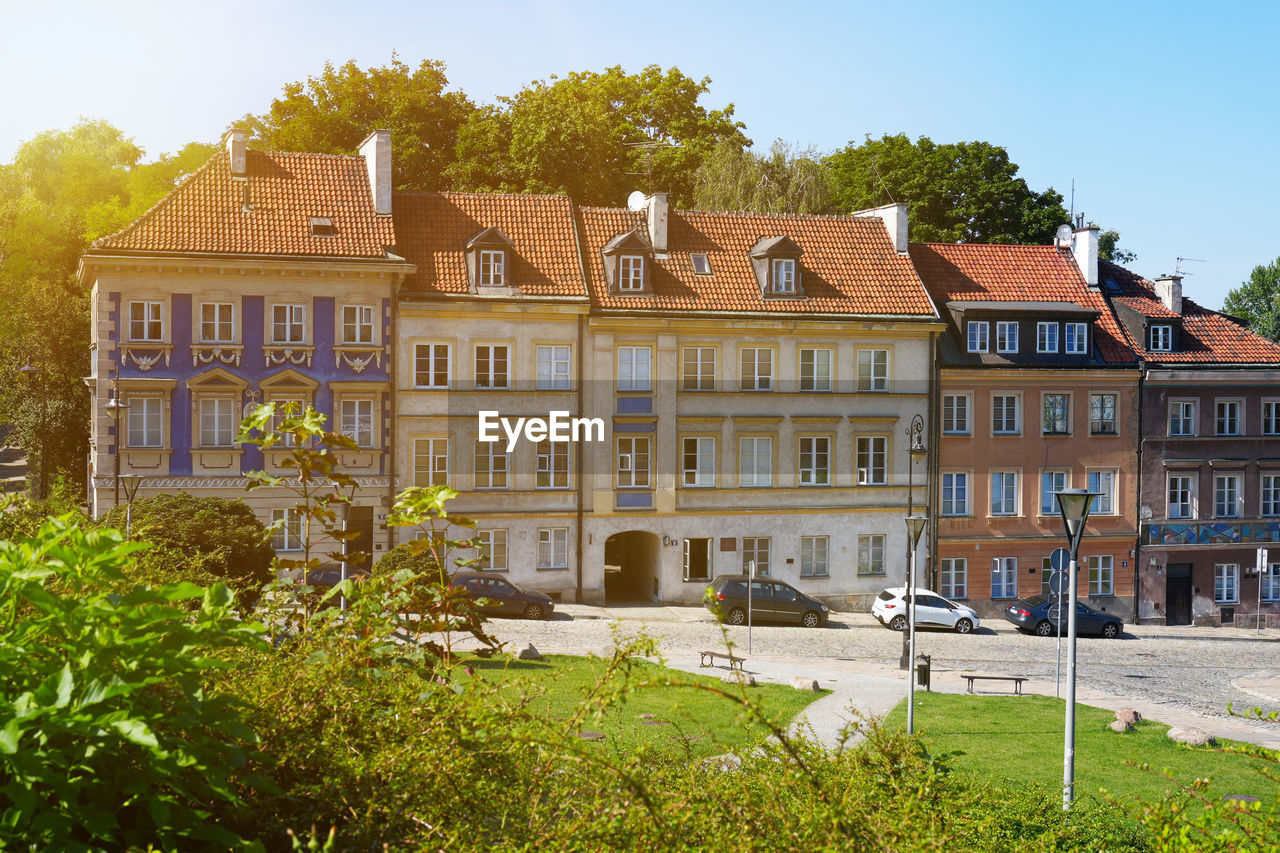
<point x="915" y="524"/>
<point x="114" y="406"/>
<point x="915" y="435"/>
<point x="30" y="372"/>
<point x="130" y="483"/>
<point x="342" y="511"/>
<point x="1074" y="504"/>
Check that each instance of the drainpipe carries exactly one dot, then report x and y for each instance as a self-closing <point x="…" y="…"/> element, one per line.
<point x="934" y="465"/>
<point x="577" y="451"/>
<point x="1137" y="546"/>
<point x="392" y="532"/>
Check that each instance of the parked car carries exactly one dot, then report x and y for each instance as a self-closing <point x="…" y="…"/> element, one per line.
<point x="771" y="601"/>
<point x="932" y="611"/>
<point x="1040" y="615"/>
<point x="500" y="597"/>
<point x="328" y="576"/>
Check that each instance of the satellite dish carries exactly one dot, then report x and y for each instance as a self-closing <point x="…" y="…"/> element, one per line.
<point x="1063" y="237"/>
<point x="636" y="201"/>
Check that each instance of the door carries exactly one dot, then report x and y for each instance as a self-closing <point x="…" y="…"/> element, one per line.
<point x="505" y="596"/>
<point x="762" y="601"/>
<point x="1177" y="594"/>
<point x="479" y="589"/>
<point x="786" y="603"/>
<point x="931" y="610"/>
<point x="361" y="521"/>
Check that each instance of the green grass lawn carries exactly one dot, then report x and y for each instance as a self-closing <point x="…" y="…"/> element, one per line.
<point x="1020" y="738"/>
<point x="684" y="720"/>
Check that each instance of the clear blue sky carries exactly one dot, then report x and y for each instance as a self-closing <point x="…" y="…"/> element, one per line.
<point x="1164" y="114"/>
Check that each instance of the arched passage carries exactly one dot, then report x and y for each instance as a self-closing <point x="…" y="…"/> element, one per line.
<point x="631" y="567"/>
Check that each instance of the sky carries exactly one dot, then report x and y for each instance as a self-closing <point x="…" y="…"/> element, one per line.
<point x="1163" y="114"/>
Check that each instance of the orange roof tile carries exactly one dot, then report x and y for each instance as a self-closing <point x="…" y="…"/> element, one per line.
<point x="206" y="212"/>
<point x="848" y="265"/>
<point x="433" y="228"/>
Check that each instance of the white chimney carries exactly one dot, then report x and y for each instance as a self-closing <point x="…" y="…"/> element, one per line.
<point x="1169" y="289"/>
<point x="235" y="148"/>
<point x="656" y="215"/>
<point x="376" y="151"/>
<point x="1084" y="246"/>
<point x="894" y="217"/>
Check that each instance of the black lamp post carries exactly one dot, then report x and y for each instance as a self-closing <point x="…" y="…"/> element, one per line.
<point x="915" y="435"/>
<point x="342" y="511"/>
<point x="31" y="373"/>
<point x="1074" y="504"/>
<point x="915" y="524"/>
<point x="114" y="406"/>
<point x="130" y="483"/>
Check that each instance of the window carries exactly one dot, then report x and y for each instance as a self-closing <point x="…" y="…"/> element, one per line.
<point x="1004" y="414"/>
<point x="953" y="577"/>
<point x="1228" y="420"/>
<point x="1102" y="414"/>
<point x="288" y="324"/>
<point x="357" y="324"/>
<point x="431" y="366"/>
<point x="145" y="414"/>
<point x="553" y="547"/>
<point x="1046" y="572"/>
<point x="1182" y="417"/>
<point x="784" y="275"/>
<point x="1226" y="583"/>
<point x="492" y="267"/>
<point x="873" y="370"/>
<point x="1271" y="417"/>
<point x="1051" y="482"/>
<point x="356" y="420"/>
<point x="144" y="321"/>
<point x="701" y="266"/>
<point x="1004" y="577"/>
<point x="431" y="461"/>
<point x="1227" y="498"/>
<point x="1057" y="414"/>
<point x="322" y="226"/>
<point x="815" y="370"/>
<point x="1103" y="484"/>
<point x="756" y="548"/>
<point x="493" y="550"/>
<point x="1046" y="337"/>
<point x="757" y="369"/>
<point x="633" y="462"/>
<point x="633" y="368"/>
<point x="1101" y="575"/>
<point x="700" y="462"/>
<point x="1161" y="338"/>
<point x="955" y="493"/>
<point x="217" y="422"/>
<point x="979" y="331"/>
<point x="813" y="556"/>
<point x="215" y="323"/>
<point x="1181" y="496"/>
<point x="288" y="536"/>
<point x="871" y="554"/>
<point x="552" y="463"/>
<point x="697" y="561"/>
<point x="815" y="461"/>
<point x="285" y="409"/>
<point x="552" y="368"/>
<point x="955" y="414"/>
<point x="1270" y="581"/>
<point x="491" y="465"/>
<point x="699" y="369"/>
<point x="1270" y="494"/>
<point x="631" y="272"/>
<point x="492" y="366"/>
<point x="1006" y="336"/>
<point x="871" y="453"/>
<point x="1004" y="492"/>
<point x="755" y="461"/>
<point x="1077" y="338"/>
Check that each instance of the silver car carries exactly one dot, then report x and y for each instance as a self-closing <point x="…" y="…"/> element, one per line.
<point x="932" y="611"/>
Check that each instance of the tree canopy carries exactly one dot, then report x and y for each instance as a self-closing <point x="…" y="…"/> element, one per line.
<point x="786" y="179"/>
<point x="1257" y="300"/>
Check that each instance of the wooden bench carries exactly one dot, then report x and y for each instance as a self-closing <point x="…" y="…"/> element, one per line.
<point x="1016" y="679"/>
<point x="709" y="658"/>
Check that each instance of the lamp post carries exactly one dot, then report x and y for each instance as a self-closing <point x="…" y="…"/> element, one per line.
<point x="130" y="483"/>
<point x="1074" y="505"/>
<point x="342" y="511"/>
<point x="915" y="524"/>
<point x="30" y="373"/>
<point x="915" y="435"/>
<point x="114" y="406"/>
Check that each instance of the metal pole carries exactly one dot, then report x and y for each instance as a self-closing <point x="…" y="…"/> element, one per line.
<point x="911" y="630"/>
<point x="342" y="571"/>
<point x="1069" y="751"/>
<point x="908" y="643"/>
<point x="44" y="395"/>
<point x="1057" y="678"/>
<point x="751" y="574"/>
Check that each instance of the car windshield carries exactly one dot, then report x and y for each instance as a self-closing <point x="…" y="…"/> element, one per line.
<point x="1036" y="600"/>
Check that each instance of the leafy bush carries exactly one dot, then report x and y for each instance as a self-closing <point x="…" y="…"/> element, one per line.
<point x="405" y="557"/>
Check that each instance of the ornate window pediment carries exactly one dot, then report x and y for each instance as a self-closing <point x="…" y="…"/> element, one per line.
<point x="776" y="262"/>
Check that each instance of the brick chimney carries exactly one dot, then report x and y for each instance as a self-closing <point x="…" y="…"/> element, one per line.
<point x="376" y="150"/>
<point x="1084" y="247"/>
<point x="235" y="148"/>
<point x="656" y="217"/>
<point x="1169" y="289"/>
<point x="894" y="217"/>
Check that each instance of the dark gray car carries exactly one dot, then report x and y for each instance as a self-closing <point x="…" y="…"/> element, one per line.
<point x="1040" y="615"/>
<point x="500" y="597"/>
<point x="771" y="601"/>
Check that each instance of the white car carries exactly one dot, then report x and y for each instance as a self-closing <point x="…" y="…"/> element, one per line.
<point x="932" y="611"/>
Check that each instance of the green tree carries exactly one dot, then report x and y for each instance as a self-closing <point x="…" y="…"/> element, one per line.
<point x="786" y="179"/>
<point x="333" y="112"/>
<point x="1257" y="300"/>
<point x="956" y="192"/>
<point x="582" y="135"/>
<point x="1109" y="249"/>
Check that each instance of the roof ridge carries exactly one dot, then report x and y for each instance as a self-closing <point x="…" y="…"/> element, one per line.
<point x="273" y="153"/>
<point x="481" y="194"/>
<point x="832" y="217"/>
<point x="989" y="245"/>
<point x="153" y="210"/>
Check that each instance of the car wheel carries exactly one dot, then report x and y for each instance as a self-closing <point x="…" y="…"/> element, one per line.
<point x="737" y="616"/>
<point x="964" y="626"/>
<point x="533" y="611"/>
<point x="811" y="620"/>
<point x="898" y="623"/>
<point x="1044" y="629"/>
<point x="1111" y="630"/>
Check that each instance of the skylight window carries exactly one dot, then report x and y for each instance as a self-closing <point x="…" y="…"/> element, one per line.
<point x="322" y="226"/>
<point x="701" y="266"/>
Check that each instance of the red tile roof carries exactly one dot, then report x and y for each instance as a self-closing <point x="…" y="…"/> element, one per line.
<point x="976" y="272"/>
<point x="433" y="228"/>
<point x="1208" y="337"/>
<point x="848" y="265"/>
<point x="205" y="213"/>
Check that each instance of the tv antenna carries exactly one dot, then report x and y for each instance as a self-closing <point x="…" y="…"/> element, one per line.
<point x="1178" y="270"/>
<point x="1072" y="216"/>
<point x="645" y="151"/>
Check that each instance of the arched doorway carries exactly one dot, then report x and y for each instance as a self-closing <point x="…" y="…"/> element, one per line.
<point x="631" y="562"/>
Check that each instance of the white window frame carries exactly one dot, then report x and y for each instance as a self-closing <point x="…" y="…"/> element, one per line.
<point x="1005" y="490"/>
<point x="1185" y="484"/>
<point x="631" y="273"/>
<point x="217" y="322"/>
<point x="1097" y="413"/>
<point x="955" y="414"/>
<point x="286" y="319"/>
<point x="814" y="460"/>
<point x="147" y="325"/>
<point x="356" y="423"/>
<point x="784" y="275"/>
<point x="1061" y="419"/>
<point x="553" y="548"/>
<point x="635" y="365"/>
<point x="758" y="548"/>
<point x="493" y="268"/>
<point x="491" y="550"/>
<point x="698" y="461"/>
<point x="1228" y="417"/>
<point x="358" y="325"/>
<point x="486" y="361"/>
<point x="760" y="377"/>
<point x="1006" y="336"/>
<point x="1226" y="583"/>
<point x="815" y="368"/>
<point x="1101" y="575"/>
<point x="873" y="370"/>
<point x="1228" y="495"/>
<point x="287" y="538"/>
<point x="815" y="553"/>
<point x="1269" y="495"/>
<point x="1271" y="417"/>
<point x="1270" y="581"/>
<point x="633" y="461"/>
<point x="145" y="424"/>
<point x="1052" y="480"/>
<point x="871" y="460"/>
<point x="1004" y="577"/>
<point x="703" y="374"/>
<point x="552" y="366"/>
<point x="700" y="262"/>
<point x="953" y="577"/>
<point x="432" y="362"/>
<point x="755" y="461"/>
<point x="1075" y="338"/>
<point x="1184" y="415"/>
<point x="430" y="461"/>
<point x="221" y="432"/>
<point x="871" y="552"/>
<point x="551" y="465"/>
<point x="1105" y="483"/>
<point x="955" y="493"/>
<point x="1161" y="338"/>
<point x="978" y="335"/>
<point x="491" y="468"/>
<point x="1046" y="337"/>
<point x="1000" y="422"/>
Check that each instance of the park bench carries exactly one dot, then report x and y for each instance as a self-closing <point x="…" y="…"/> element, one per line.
<point x="1016" y="679"/>
<point x="709" y="658"/>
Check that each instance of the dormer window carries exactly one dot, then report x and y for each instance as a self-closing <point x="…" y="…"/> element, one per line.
<point x="493" y="264"/>
<point x="776" y="261"/>
<point x="1161" y="338"/>
<point x="490" y="256"/>
<point x="628" y="264"/>
<point x="784" y="276"/>
<point x="1076" y="337"/>
<point x="631" y="273"/>
<point x="322" y="226"/>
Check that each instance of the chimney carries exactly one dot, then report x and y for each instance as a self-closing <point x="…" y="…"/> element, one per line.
<point x="894" y="217"/>
<point x="1084" y="246"/>
<point x="235" y="147"/>
<point x="1169" y="289"/>
<point x="656" y="215"/>
<point x="376" y="151"/>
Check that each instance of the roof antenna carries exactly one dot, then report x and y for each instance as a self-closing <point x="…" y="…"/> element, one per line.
<point x="883" y="185"/>
<point x="1178" y="270"/>
<point x="1072" y="217"/>
<point x="645" y="149"/>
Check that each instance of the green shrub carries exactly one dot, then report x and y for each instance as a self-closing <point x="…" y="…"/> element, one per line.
<point x="405" y="557"/>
